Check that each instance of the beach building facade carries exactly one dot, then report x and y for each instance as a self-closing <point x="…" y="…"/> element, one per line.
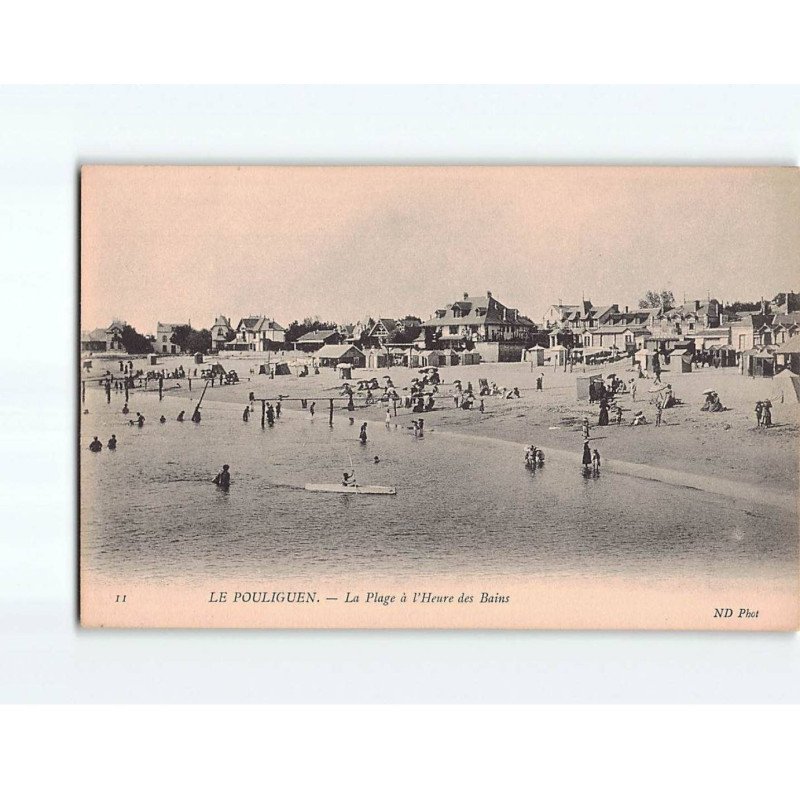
<point x="331" y="355"/>
<point x="221" y="332"/>
<point x="103" y="340"/>
<point x="476" y="319"/>
<point x="315" y="340"/>
<point x="258" y="333"/>
<point x="163" y="343"/>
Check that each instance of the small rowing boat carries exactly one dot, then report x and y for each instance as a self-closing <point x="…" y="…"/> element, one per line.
<point x="341" y="488"/>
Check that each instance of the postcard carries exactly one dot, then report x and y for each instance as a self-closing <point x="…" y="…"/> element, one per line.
<point x="439" y="397"/>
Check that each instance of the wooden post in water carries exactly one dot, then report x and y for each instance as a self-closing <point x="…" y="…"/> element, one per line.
<point x="263" y="412"/>
<point x="330" y="412"/>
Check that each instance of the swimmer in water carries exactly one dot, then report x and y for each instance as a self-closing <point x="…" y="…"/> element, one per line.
<point x="223" y="479"/>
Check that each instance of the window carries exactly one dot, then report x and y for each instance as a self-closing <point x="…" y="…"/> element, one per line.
<point x="452" y="329"/>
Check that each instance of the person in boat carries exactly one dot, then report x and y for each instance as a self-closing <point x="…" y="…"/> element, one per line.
<point x="180" y="416"/>
<point x="196" y="416"/>
<point x="125" y="409"/>
<point x="223" y="479"/>
<point x="246" y="414"/>
<point x="112" y="442"/>
<point x="96" y="445"/>
<point x="363" y="433"/>
<point x="348" y="479"/>
<point x="163" y="419"/>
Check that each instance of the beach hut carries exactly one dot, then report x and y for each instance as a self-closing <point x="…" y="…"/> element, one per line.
<point x="330" y="355"/>
<point x="788" y="384"/>
<point x="759" y="363"/>
<point x="680" y="360"/>
<point x="198" y="358"/>
<point x="556" y="356"/>
<point x="789" y="354"/>
<point x="470" y="357"/>
<point x="535" y="355"/>
<point x="582" y="384"/>
<point x="282" y="368"/>
<point x="345" y="371"/>
<point x="153" y="360"/>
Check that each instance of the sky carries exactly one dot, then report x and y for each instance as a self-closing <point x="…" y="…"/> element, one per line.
<point x="179" y="244"/>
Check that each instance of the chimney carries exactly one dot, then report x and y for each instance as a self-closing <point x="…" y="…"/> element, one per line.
<point x="466" y="295"/>
<point x="626" y="309"/>
<point x="488" y="293"/>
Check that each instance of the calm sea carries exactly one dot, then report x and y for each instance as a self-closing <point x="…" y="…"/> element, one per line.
<point x="462" y="508"/>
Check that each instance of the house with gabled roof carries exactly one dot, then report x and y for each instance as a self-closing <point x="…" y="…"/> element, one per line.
<point x="480" y="318"/>
<point x="221" y="332"/>
<point x="101" y="340"/>
<point x="315" y="340"/>
<point x="258" y="333"/>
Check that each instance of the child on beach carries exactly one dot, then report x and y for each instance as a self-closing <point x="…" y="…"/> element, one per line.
<point x="595" y="462"/>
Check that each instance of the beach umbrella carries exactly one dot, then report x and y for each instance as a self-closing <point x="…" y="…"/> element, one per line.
<point x="708" y="391"/>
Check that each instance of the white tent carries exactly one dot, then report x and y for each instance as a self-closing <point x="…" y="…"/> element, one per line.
<point x="788" y="383"/>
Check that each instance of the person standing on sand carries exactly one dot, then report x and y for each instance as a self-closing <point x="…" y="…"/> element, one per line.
<point x="363" y="433"/>
<point x="112" y="442"/>
<point x="595" y="462"/>
<point x="482" y="406"/>
<point x="586" y="428"/>
<point x="659" y="412"/>
<point x="587" y="457"/>
<point x="388" y="419"/>
<point x="633" y="390"/>
<point x="180" y="416"/>
<point x="278" y="410"/>
<point x="539" y="382"/>
<point x="96" y="445"/>
<point x="759" y="411"/>
<point x="311" y="409"/>
<point x="246" y="414"/>
<point x="125" y="409"/>
<point x="766" y="414"/>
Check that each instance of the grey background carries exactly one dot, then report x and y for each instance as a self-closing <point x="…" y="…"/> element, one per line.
<point x="46" y="133"/>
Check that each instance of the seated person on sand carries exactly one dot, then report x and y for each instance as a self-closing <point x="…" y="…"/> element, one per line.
<point x="638" y="419"/>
